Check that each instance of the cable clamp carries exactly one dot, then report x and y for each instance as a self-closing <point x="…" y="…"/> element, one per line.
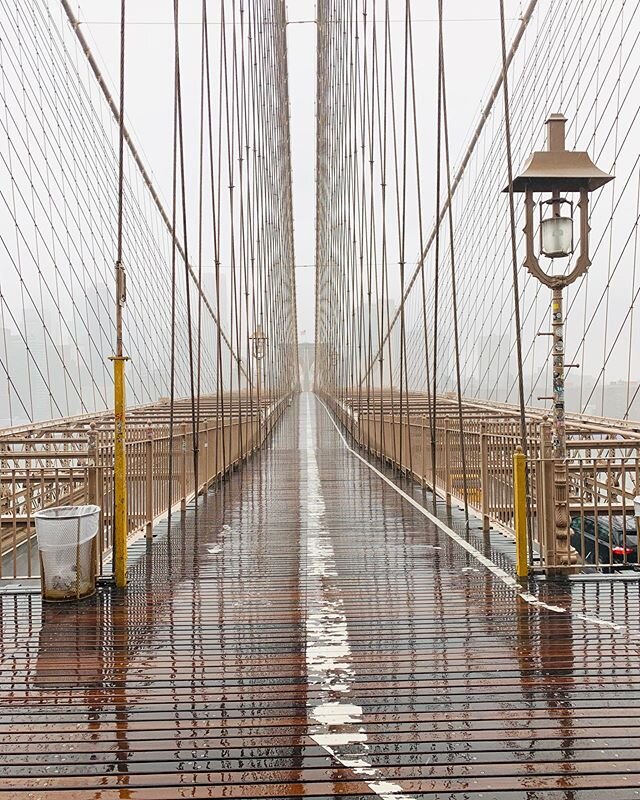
<point x="121" y="284"/>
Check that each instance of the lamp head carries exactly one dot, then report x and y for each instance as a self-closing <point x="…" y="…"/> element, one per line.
<point x="557" y="171"/>
<point x="556" y="230"/>
<point x="259" y="339"/>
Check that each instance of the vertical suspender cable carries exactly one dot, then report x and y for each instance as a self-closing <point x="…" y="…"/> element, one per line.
<point x="75" y="24"/>
<point x="434" y="377"/>
<point x="119" y="443"/>
<point x="220" y="447"/>
<point x="187" y="285"/>
<point x="416" y="146"/>
<point x="404" y="385"/>
<point x="452" y="257"/>
<point x="172" y="369"/>
<point x="514" y="251"/>
<point x="382" y="134"/>
<point x="200" y="232"/>
<point x="486" y="114"/>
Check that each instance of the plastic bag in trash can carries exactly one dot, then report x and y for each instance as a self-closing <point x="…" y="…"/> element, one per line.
<point x="66" y="538"/>
<point x="65" y="579"/>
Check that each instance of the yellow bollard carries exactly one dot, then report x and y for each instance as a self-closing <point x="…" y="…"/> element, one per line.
<point x="120" y="475"/>
<point x="520" y="511"/>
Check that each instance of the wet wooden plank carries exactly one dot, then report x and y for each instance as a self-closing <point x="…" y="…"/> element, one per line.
<point x="308" y="634"/>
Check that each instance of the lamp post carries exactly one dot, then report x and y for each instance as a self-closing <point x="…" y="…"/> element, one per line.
<point x="554" y="173"/>
<point x="259" y="348"/>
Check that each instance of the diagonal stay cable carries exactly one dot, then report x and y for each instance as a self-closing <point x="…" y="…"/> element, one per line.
<point x="526" y="18"/>
<point x="136" y="156"/>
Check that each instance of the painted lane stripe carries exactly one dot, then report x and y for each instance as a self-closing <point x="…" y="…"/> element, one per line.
<point x="499" y="573"/>
<point x="335" y="724"/>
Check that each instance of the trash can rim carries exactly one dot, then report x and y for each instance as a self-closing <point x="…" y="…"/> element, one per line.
<point x="81" y="511"/>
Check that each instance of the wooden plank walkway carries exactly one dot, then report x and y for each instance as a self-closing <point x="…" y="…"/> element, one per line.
<point x="308" y="633"/>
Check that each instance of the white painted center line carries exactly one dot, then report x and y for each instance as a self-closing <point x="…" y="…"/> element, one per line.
<point x="335" y="724"/>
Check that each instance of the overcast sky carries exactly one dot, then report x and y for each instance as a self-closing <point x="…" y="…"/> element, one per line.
<point x="472" y="42"/>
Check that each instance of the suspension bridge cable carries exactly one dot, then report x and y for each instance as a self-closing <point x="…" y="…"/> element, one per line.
<point x="526" y="17"/>
<point x="452" y="259"/>
<point x="436" y="270"/>
<point x="101" y="82"/>
<point x="187" y="283"/>
<point x="512" y="225"/>
<point x="174" y="249"/>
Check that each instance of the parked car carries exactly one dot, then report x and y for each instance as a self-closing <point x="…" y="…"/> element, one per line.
<point x="616" y="540"/>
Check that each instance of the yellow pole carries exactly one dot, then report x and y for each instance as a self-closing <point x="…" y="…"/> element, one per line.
<point x="120" y="474"/>
<point x="520" y="511"/>
<point x="120" y="521"/>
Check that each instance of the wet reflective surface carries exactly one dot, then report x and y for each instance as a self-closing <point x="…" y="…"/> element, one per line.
<point x="307" y="633"/>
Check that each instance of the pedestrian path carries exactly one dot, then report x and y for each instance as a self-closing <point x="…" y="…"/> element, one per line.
<point x="307" y="632"/>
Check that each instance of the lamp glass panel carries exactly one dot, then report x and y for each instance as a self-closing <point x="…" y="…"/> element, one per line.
<point x="557" y="236"/>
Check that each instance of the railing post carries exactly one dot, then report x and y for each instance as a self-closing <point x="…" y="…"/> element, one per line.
<point x="92" y="467"/>
<point x="149" y="482"/>
<point x="447" y="463"/>
<point x="520" y="511"/>
<point x="95" y="492"/>
<point x="408" y="450"/>
<point x="423" y="477"/>
<point x="484" y="476"/>
<point x="183" y="499"/>
<point x="208" y="449"/>
<point x="433" y="455"/>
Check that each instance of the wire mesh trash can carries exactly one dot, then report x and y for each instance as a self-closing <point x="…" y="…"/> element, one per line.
<point x="67" y="540"/>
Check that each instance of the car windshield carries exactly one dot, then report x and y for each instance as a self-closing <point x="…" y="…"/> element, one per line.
<point x="617" y="526"/>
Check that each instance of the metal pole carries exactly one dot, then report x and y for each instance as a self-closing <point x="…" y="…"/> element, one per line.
<point x="520" y="511"/>
<point x="149" y="483"/>
<point x="559" y="440"/>
<point x="484" y="476"/>
<point x="120" y="456"/>
<point x="120" y="474"/>
<point x="559" y="436"/>
<point x="259" y="387"/>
